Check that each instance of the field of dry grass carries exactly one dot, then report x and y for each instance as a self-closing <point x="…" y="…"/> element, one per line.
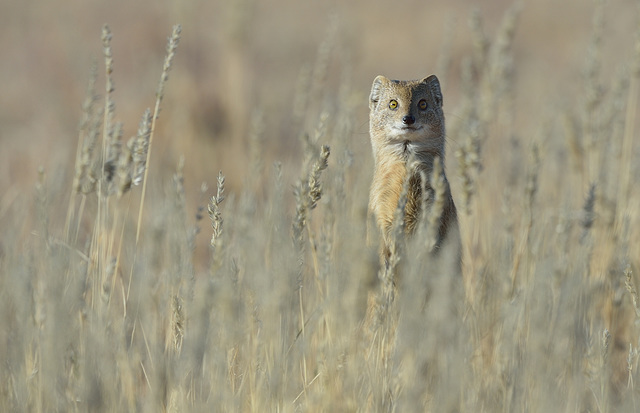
<point x="135" y="276"/>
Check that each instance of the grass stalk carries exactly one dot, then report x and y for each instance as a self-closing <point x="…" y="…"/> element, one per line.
<point x="172" y="46"/>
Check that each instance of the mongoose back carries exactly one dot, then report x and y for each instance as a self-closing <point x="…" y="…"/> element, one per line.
<point x="407" y="129"/>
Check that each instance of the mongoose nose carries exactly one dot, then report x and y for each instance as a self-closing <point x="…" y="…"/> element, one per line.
<point x="408" y="120"/>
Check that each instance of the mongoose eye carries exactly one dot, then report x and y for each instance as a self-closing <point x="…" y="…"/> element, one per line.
<point x="422" y="105"/>
<point x="393" y="104"/>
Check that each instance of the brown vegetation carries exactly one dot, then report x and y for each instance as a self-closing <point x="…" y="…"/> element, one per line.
<point x="119" y="298"/>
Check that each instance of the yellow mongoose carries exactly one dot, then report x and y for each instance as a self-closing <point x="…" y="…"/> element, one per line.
<point x="406" y="124"/>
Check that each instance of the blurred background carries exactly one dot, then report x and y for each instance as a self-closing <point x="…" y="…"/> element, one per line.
<point x="542" y="154"/>
<point x="245" y="58"/>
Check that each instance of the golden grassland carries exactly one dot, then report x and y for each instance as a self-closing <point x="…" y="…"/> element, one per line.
<point x="127" y="285"/>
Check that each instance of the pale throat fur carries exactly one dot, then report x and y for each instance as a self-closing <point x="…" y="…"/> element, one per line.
<point x="406" y="124"/>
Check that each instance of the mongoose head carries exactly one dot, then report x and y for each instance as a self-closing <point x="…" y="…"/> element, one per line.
<point x="406" y="116"/>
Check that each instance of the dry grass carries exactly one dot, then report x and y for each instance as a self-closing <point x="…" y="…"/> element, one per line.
<point x="114" y="297"/>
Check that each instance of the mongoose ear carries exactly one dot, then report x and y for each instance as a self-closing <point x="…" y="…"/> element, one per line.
<point x="378" y="83"/>
<point x="433" y="84"/>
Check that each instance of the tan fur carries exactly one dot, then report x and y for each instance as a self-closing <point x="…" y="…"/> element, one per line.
<point x="402" y="132"/>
